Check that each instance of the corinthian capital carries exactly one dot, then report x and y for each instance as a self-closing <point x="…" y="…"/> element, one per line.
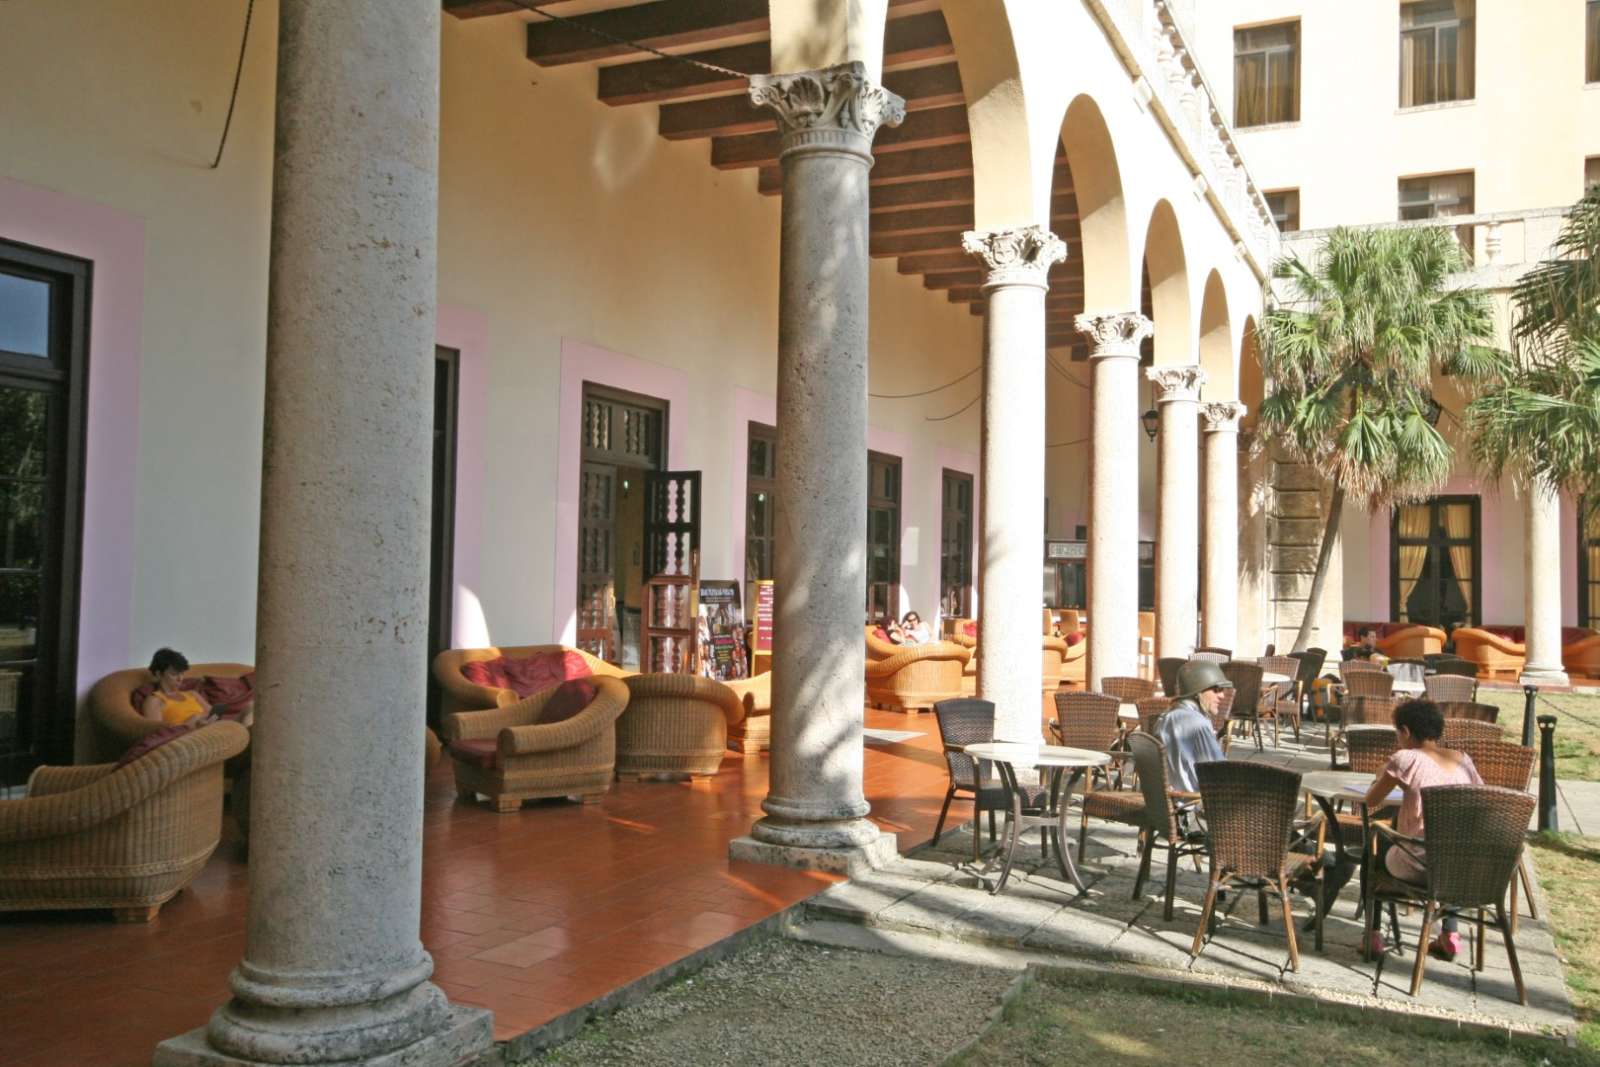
<point x="836" y="108"/>
<point x="1176" y="383"/>
<point x="1222" y="416"/>
<point x="1019" y="256"/>
<point x="1114" y="335"/>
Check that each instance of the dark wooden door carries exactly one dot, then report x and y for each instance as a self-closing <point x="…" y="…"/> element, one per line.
<point x="597" y="595"/>
<point x="671" y="523"/>
<point x="441" y="550"/>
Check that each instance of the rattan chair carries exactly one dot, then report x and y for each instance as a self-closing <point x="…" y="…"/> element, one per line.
<point x="1167" y="668"/>
<point x="1455" y="665"/>
<point x="962" y="722"/>
<point x="1127" y="690"/>
<point x="1465" y="709"/>
<point x="1458" y="730"/>
<point x="1150" y="711"/>
<point x="1474" y="843"/>
<point x="675" y="726"/>
<point x="916" y="677"/>
<point x="1215" y="655"/>
<point x="1509" y="766"/>
<point x="1088" y="720"/>
<point x="1368" y="684"/>
<point x="456" y="693"/>
<point x="1246" y="707"/>
<point x="1348" y="667"/>
<point x="1308" y="665"/>
<point x="1370" y="748"/>
<point x="1250" y="824"/>
<point x="1156" y="816"/>
<point x="1370" y="711"/>
<point x="1280" y="700"/>
<point x="1450" y="688"/>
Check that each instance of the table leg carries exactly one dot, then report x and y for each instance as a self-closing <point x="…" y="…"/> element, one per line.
<point x="1069" y="869"/>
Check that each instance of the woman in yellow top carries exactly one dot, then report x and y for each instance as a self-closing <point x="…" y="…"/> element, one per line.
<point x="171" y="703"/>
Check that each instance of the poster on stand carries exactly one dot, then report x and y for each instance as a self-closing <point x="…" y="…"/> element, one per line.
<point x="723" y="655"/>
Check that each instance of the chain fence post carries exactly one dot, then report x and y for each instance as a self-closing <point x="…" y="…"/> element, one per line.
<point x="1530" y="693"/>
<point x="1549" y="817"/>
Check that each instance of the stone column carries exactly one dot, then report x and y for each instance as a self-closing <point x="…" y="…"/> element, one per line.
<point x="1011" y="580"/>
<point x="1541" y="555"/>
<point x="1219" y="597"/>
<point x="1178" y="508"/>
<point x="333" y="967"/>
<point x="815" y="805"/>
<point x="1114" y="492"/>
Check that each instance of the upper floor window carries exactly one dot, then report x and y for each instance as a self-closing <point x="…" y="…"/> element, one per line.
<point x="1285" y="207"/>
<point x="1438" y="196"/>
<point x="1437" y="44"/>
<point x="1591" y="35"/>
<point x="1591" y="174"/>
<point x="1266" y="74"/>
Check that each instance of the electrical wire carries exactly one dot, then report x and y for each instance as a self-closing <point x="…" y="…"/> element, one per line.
<point x="1068" y="444"/>
<point x="614" y="39"/>
<point x="926" y="392"/>
<point x="238" y="72"/>
<point x="953" y="414"/>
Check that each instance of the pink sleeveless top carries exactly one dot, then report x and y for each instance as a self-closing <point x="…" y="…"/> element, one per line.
<point x="1416" y="771"/>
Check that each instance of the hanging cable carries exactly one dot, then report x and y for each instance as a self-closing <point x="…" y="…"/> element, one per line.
<point x="238" y="72"/>
<point x="925" y="392"/>
<point x="614" y="39"/>
<point x="1059" y="369"/>
<point x="953" y="414"/>
<point x="1068" y="444"/>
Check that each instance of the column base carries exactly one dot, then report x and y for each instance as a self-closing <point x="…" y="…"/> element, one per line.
<point x="1545" y="677"/>
<point x="467" y="1034"/>
<point x="848" y="861"/>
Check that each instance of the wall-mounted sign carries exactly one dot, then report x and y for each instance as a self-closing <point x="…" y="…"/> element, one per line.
<point x="764" y="601"/>
<point x="1066" y="550"/>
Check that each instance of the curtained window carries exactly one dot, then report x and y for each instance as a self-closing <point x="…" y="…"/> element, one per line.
<point x="1437" y="47"/>
<point x="1435" y="566"/>
<point x="1285" y="207"/>
<point x="1591" y="174"/>
<point x="1438" y="196"/>
<point x="1589" y="562"/>
<point x="1266" y="74"/>
<point x="1591" y="36"/>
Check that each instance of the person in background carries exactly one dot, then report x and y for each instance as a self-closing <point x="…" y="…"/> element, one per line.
<point x="171" y="703"/>
<point x="913" y="631"/>
<point x="1366" y="645"/>
<point x="1187" y="729"/>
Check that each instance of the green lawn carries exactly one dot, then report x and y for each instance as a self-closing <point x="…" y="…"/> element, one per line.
<point x="1569" y="872"/>
<point x="1577" y="728"/>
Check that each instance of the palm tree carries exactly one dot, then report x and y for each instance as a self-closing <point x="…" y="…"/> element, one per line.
<point x="1351" y="357"/>
<point x="1540" y="417"/>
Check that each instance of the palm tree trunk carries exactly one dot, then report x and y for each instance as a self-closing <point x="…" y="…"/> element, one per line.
<point x="1330" y="531"/>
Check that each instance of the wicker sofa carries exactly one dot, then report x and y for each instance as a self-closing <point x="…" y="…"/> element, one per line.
<point x="1580" y="652"/>
<point x="127" y="839"/>
<point x="117" y="723"/>
<point x="1399" y="640"/>
<point x="877" y="647"/>
<point x="917" y="676"/>
<point x="675" y="726"/>
<point x="1497" y="650"/>
<point x="753" y="733"/>
<point x="525" y="759"/>
<point x="459" y="694"/>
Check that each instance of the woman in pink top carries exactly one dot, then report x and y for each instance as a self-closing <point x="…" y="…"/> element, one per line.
<point x="1420" y="762"/>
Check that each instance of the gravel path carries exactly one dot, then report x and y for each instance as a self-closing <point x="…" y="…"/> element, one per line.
<point x="781" y="1002"/>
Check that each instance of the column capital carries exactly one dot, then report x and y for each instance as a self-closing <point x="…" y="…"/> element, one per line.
<point x="1022" y="255"/>
<point x="1114" y="335"/>
<point x="1222" y="416"/>
<point x="831" y="110"/>
<point x="1176" y="383"/>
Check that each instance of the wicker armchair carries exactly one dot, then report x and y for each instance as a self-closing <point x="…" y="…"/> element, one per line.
<point x="1450" y="688"/>
<point x="1127" y="690"/>
<point x="753" y="733"/>
<point x="507" y="755"/>
<point x="1412" y="641"/>
<point x="1246" y="708"/>
<point x="967" y="721"/>
<point x="675" y="726"/>
<point x="1370" y="748"/>
<point x="1508" y="766"/>
<point x="1495" y="655"/>
<point x="1280" y="699"/>
<point x="1460" y="730"/>
<point x="917" y="677"/>
<point x="458" y="694"/>
<point x="1468" y="709"/>
<point x="1475" y="836"/>
<point x="1447" y="664"/>
<point x="127" y="839"/>
<point x="1250" y="824"/>
<point x="118" y="724"/>
<point x="1582" y="657"/>
<point x="1156" y="816"/>
<point x="1167" y="668"/>
<point x="1150" y="711"/>
<point x="878" y="648"/>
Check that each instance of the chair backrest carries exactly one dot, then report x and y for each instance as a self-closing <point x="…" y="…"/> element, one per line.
<point x="1468" y="709"/>
<point x="1087" y="720"/>
<point x="1250" y="810"/>
<point x="1455" y="665"/>
<point x="1127" y="690"/>
<point x="1475" y="835"/>
<point x="1284" y="665"/>
<point x="1408" y="670"/>
<point x="1167" y="668"/>
<point x="1150" y="764"/>
<point x="1215" y="655"/>
<point x="1442" y="688"/>
<point x="1348" y="667"/>
<point x="1246" y="679"/>
<point x="1456" y="730"/>
<point x="1150" y="711"/>
<point x="1500" y="763"/>
<point x="1070" y="622"/>
<point x="1369" y="711"/>
<point x="1310" y="665"/>
<point x="1368" y="683"/>
<point x="1370" y="748"/>
<point x="964" y="721"/>
<point x="1270" y="650"/>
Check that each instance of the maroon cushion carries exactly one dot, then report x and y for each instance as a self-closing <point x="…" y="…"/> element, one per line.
<point x="228" y="696"/>
<point x="881" y="634"/>
<point x="481" y="753"/>
<point x="1074" y="638"/>
<point x="1571" y="635"/>
<point x="152" y="741"/>
<point x="970" y="629"/>
<point x="568" y="699"/>
<point x="526" y="675"/>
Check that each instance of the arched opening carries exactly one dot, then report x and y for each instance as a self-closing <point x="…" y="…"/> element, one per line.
<point x="1216" y="342"/>
<point x="1167" y="269"/>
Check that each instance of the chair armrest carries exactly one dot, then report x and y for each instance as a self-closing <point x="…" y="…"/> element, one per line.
<point x="909" y="654"/>
<point x="45" y="781"/>
<point x="1182" y="794"/>
<point x="486" y="724"/>
<point x="611" y="700"/>
<point x="689" y="687"/>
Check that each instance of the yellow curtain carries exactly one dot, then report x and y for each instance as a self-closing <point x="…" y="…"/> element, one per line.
<point x="1466" y="50"/>
<point x="1414" y="70"/>
<point x="1412" y="525"/>
<point x="1458" y="525"/>
<point x="1250" y="90"/>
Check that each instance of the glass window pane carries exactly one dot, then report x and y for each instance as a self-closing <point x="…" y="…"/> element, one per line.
<point x="24" y="315"/>
<point x="21" y="525"/>
<point x="22" y="433"/>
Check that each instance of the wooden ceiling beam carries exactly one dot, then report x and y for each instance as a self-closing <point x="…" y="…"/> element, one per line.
<point x="946" y="161"/>
<point x="921" y="129"/>
<point x="944" y="192"/>
<point x="1061" y="279"/>
<point x="663" y="24"/>
<point x="477" y="9"/>
<point x="924" y="220"/>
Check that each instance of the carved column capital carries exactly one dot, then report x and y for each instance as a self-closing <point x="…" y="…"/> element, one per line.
<point x="1114" y="335"/>
<point x="1022" y="255"/>
<point x="1222" y="416"/>
<point x="831" y="110"/>
<point x="1176" y="383"/>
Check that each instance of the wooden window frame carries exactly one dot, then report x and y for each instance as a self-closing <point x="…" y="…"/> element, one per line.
<point x="946" y="512"/>
<point x="1585" y="578"/>
<point x="896" y="503"/>
<point x="1294" y="51"/>
<point x="1433" y="29"/>
<point x="754" y="484"/>
<point x="1436" y="503"/>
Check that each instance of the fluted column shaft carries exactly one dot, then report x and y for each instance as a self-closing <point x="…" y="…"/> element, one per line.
<point x="1542" y="596"/>
<point x="1114" y="492"/>
<point x="827" y="119"/>
<point x="1010" y="579"/>
<point x="1219" y="594"/>
<point x="1177" y="508"/>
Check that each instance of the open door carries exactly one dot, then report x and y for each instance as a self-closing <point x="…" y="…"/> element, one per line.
<point x="669" y="639"/>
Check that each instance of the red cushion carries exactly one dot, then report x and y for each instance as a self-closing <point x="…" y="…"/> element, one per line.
<point x="881" y="634"/>
<point x="526" y="675"/>
<point x="152" y="741"/>
<point x="970" y="629"/>
<point x="568" y="699"/>
<point x="1571" y="635"/>
<point x="1074" y="638"/>
<point x="228" y="696"/>
<point x="482" y="753"/>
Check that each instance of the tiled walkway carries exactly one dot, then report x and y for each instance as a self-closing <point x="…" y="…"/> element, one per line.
<point x="529" y="914"/>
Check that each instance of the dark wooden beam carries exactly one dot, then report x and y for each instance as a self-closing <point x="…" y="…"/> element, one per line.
<point x="921" y="129"/>
<point x="897" y="244"/>
<point x="914" y="39"/>
<point x="477" y="9"/>
<point x="924" y="220"/>
<point x="946" y="161"/>
<point x="663" y="24"/>
<point x="945" y="192"/>
<point x="1061" y="280"/>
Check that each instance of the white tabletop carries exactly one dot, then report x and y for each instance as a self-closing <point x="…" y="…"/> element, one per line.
<point x="1019" y="755"/>
<point x="1128" y="711"/>
<point x="1336" y="784"/>
<point x="1273" y="678"/>
<point x="1414" y="688"/>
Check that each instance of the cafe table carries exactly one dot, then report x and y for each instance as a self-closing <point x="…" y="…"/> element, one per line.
<point x="1329" y="788"/>
<point x="1055" y="762"/>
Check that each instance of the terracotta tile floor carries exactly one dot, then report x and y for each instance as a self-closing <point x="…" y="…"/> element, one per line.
<point x="529" y="914"/>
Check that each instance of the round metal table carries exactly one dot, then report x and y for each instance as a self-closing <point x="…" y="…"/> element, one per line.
<point x="1051" y="815"/>
<point x="1331" y="787"/>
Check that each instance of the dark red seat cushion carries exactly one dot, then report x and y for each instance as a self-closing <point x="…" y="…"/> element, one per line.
<point x="881" y="634"/>
<point x="228" y="696"/>
<point x="526" y="675"/>
<point x="1074" y="638"/>
<point x="568" y="699"/>
<point x="152" y="741"/>
<point x="970" y="629"/>
<point x="482" y="753"/>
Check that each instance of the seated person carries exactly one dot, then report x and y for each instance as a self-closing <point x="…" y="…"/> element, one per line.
<point x="913" y="631"/>
<point x="1420" y="762"/>
<point x="171" y="703"/>
<point x="1366" y="645"/>
<point x="1187" y="728"/>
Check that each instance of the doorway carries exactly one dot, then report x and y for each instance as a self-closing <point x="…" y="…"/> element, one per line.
<point x="441" y="549"/>
<point x="43" y="319"/>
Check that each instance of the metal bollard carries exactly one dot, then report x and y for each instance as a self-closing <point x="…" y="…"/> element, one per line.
<point x="1530" y="693"/>
<point x="1549" y="819"/>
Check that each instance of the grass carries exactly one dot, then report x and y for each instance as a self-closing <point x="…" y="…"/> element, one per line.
<point x="1577" y="728"/>
<point x="1071" y="1020"/>
<point x="1569" y="872"/>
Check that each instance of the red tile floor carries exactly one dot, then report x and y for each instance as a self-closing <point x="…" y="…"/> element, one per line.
<point x="530" y="914"/>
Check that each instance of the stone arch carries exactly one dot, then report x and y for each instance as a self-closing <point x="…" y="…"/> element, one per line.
<point x="1216" y="342"/>
<point x="1252" y="384"/>
<point x="1167" y="266"/>
<point x="1102" y="224"/>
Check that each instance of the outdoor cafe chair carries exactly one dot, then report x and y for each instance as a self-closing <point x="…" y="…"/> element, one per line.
<point x="1509" y="766"/>
<point x="1285" y="698"/>
<point x="1150" y="711"/>
<point x="1474" y="845"/>
<point x="1469" y="709"/>
<point x="1308" y="665"/>
<point x="1456" y="730"/>
<point x="1246" y="708"/>
<point x="1167" y="668"/>
<point x="1368" y="683"/>
<point x="968" y="721"/>
<point x="1370" y="748"/>
<point x="1215" y="655"/>
<point x="1157" y="817"/>
<point x="1127" y="689"/>
<point x="1455" y="665"/>
<point x="1088" y="720"/>
<point x="1453" y="688"/>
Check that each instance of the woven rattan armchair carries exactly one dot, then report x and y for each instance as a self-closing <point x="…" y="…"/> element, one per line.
<point x="1250" y="824"/>
<point x="1466" y="709"/>
<point x="1370" y="748"/>
<point x="1150" y="711"/>
<point x="1367" y="683"/>
<point x="917" y="677"/>
<point x="1450" y="688"/>
<point x="127" y="839"/>
<point x="878" y="648"/>
<point x="968" y="721"/>
<point x="1088" y="720"/>
<point x="1215" y="655"/>
<point x="1308" y="665"/>
<point x="1156" y="816"/>
<point x="1167" y="668"/>
<point x="753" y="733"/>
<point x="509" y="756"/>
<point x="1508" y="766"/>
<point x="1279" y="700"/>
<point x="1245" y="710"/>
<point x="1494" y="654"/>
<point x="1458" y="730"/>
<point x="675" y="726"/>
<point x="1127" y="690"/>
<point x="458" y="694"/>
<point x="118" y="724"/>
<point x="1475" y="837"/>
